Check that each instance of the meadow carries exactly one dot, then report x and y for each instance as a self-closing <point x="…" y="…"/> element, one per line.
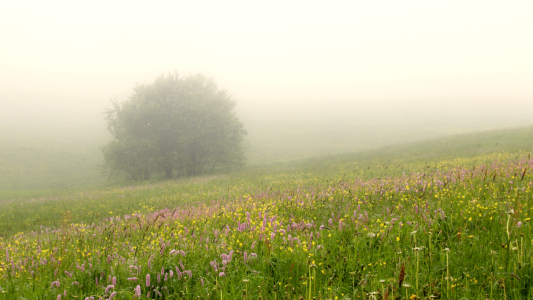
<point x="50" y="150"/>
<point x="440" y="219"/>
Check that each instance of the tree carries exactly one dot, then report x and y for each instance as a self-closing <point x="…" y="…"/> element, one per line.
<point x="176" y="126"/>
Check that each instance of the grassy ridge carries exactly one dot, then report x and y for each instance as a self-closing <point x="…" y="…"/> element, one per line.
<point x="429" y="220"/>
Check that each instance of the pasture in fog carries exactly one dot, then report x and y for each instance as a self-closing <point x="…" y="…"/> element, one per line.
<point x="309" y="79"/>
<point x="388" y="149"/>
<point x="57" y="146"/>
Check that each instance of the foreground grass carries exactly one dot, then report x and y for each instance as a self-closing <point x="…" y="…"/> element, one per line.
<point x="422" y="221"/>
<point x="445" y="234"/>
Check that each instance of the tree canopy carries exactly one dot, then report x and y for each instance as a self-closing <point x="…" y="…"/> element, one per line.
<point x="175" y="126"/>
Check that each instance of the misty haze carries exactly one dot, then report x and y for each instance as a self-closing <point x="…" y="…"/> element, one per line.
<point x="251" y="117"/>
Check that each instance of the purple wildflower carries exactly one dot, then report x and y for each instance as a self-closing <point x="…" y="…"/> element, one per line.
<point x="108" y="288"/>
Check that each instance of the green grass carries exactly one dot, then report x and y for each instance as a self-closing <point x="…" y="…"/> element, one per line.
<point x="451" y="195"/>
<point x="35" y="208"/>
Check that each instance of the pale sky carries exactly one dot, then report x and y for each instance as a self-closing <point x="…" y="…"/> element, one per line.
<point x="87" y="52"/>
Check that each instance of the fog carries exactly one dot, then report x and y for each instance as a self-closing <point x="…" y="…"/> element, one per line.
<point x="309" y="78"/>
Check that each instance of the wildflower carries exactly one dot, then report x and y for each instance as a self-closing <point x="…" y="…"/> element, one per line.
<point x="138" y="291"/>
<point x="108" y="288"/>
<point x="147" y="280"/>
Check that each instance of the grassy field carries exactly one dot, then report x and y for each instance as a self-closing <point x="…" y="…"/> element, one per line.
<point x="54" y="149"/>
<point x="50" y="155"/>
<point x="446" y="218"/>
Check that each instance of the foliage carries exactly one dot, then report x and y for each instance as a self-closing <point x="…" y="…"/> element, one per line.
<point x="176" y="126"/>
<point x="455" y="226"/>
<point x="458" y="232"/>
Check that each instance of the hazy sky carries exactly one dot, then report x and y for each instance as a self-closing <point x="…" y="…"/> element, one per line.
<point x="87" y="52"/>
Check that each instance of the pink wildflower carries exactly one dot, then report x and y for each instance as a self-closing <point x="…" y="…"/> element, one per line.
<point x="108" y="288"/>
